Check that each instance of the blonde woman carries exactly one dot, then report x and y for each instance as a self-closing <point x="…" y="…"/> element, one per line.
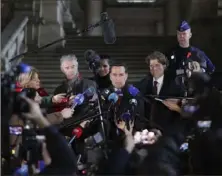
<point x="31" y="80"/>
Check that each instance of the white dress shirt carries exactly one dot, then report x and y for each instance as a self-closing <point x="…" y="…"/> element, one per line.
<point x="159" y="83"/>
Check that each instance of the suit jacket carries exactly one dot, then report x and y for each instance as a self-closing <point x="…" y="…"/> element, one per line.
<point x="79" y="86"/>
<point x="158" y="114"/>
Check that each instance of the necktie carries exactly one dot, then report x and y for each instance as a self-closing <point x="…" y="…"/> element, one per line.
<point x="155" y="87"/>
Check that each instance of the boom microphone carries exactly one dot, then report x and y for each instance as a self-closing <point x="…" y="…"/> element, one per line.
<point x="108" y="29"/>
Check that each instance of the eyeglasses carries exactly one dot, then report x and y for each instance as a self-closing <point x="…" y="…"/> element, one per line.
<point x="155" y="66"/>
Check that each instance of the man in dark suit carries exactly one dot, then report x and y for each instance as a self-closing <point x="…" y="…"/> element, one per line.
<point x="118" y="77"/>
<point x="159" y="84"/>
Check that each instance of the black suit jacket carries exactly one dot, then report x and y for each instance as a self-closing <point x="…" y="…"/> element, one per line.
<point x="156" y="111"/>
<point x="79" y="86"/>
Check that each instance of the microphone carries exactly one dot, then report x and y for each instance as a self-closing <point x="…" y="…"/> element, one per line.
<point x="133" y="91"/>
<point x="93" y="59"/>
<point x="90" y="91"/>
<point x="77" y="133"/>
<point x="108" y="29"/>
<point x="78" y="100"/>
<point x="113" y="98"/>
<point x="105" y="93"/>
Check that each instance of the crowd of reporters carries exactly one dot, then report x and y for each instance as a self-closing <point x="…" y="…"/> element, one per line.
<point x="154" y="128"/>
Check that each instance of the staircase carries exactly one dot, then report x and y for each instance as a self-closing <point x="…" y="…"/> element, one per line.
<point x="130" y="50"/>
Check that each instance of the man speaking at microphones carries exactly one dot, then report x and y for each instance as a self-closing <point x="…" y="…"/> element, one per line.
<point x="118" y="77"/>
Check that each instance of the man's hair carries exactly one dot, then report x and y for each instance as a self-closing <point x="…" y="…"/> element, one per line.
<point x="70" y="57"/>
<point x="156" y="55"/>
<point x="116" y="64"/>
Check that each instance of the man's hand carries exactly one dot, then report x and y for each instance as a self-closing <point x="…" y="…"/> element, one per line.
<point x="34" y="110"/>
<point x="58" y="98"/>
<point x="67" y="113"/>
<point x="35" y="113"/>
<point x="71" y="99"/>
<point x="172" y="105"/>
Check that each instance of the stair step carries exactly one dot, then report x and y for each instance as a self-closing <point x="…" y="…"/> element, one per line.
<point x="53" y="71"/>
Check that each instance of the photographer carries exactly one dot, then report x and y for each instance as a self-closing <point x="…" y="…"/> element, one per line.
<point x="63" y="160"/>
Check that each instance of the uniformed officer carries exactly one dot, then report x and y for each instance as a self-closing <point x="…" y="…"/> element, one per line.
<point x="185" y="56"/>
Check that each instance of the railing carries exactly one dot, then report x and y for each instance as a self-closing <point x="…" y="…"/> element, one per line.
<point x="13" y="40"/>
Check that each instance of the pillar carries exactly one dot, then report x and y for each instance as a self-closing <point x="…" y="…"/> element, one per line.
<point x="93" y="11"/>
<point x="172" y="17"/>
<point x="159" y="28"/>
<point x="51" y="30"/>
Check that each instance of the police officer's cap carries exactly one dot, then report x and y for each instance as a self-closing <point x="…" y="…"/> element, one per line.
<point x="183" y="26"/>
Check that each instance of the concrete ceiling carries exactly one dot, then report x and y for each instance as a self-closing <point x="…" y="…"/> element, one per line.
<point x="116" y="3"/>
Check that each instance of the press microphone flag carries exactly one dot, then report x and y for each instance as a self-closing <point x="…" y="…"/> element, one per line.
<point x="90" y="91"/>
<point x="113" y="98"/>
<point x="78" y="100"/>
<point x="77" y="133"/>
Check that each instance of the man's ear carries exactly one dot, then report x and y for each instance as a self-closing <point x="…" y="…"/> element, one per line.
<point x="126" y="76"/>
<point x="190" y="34"/>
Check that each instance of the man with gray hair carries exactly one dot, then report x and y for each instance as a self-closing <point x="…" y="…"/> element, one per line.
<point x="73" y="83"/>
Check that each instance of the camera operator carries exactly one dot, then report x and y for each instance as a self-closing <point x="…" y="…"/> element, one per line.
<point x="63" y="160"/>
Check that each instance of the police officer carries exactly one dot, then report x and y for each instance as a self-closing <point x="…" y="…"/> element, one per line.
<point x="186" y="57"/>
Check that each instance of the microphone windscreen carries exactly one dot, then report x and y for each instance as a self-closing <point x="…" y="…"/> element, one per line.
<point x="105" y="93"/>
<point x="126" y="116"/>
<point x="79" y="99"/>
<point x="77" y="132"/>
<point x="113" y="97"/>
<point x="133" y="90"/>
<point x="133" y="102"/>
<point x="108" y="29"/>
<point x="90" y="91"/>
<point x="24" y="68"/>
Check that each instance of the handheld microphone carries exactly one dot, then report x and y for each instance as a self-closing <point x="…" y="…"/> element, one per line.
<point x="93" y="59"/>
<point x="105" y="93"/>
<point x="133" y="103"/>
<point x="78" y="100"/>
<point x="113" y="98"/>
<point x="77" y="133"/>
<point x="108" y="29"/>
<point x="90" y="91"/>
<point x="133" y="91"/>
<point x="127" y="117"/>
